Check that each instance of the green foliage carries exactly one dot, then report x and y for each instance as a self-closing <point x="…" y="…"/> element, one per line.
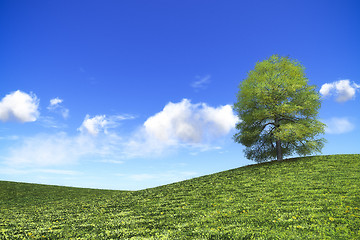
<point x="277" y="106"/>
<point x="304" y="198"/>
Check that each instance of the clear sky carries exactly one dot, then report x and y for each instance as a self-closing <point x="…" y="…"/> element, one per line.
<point x="135" y="94"/>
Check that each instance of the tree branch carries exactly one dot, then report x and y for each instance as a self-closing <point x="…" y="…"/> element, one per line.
<point x="270" y="123"/>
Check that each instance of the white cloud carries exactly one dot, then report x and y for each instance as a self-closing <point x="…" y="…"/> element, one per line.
<point x="55" y="101"/>
<point x="19" y="106"/>
<point x="344" y="90"/>
<point x="326" y="89"/>
<point x="112" y="161"/>
<point x="44" y="150"/>
<point x="189" y="123"/>
<point x="338" y="126"/>
<point x="55" y="106"/>
<point x="182" y="125"/>
<point x="201" y="83"/>
<point x="197" y="127"/>
<point x="94" y="125"/>
<point x="221" y="120"/>
<point x="101" y="123"/>
<point x="61" y="149"/>
<point x="15" y="171"/>
<point x="58" y="171"/>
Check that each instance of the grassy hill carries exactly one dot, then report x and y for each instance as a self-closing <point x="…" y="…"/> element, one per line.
<point x="302" y="198"/>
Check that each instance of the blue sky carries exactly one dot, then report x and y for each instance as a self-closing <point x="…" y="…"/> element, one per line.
<point x="135" y="94"/>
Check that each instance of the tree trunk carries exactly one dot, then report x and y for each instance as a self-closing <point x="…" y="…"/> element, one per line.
<point x="279" y="155"/>
<point x="278" y="150"/>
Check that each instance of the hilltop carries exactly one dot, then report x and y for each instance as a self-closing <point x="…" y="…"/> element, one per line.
<point x="302" y="198"/>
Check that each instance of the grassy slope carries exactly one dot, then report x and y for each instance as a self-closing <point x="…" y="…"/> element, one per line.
<point x="305" y="198"/>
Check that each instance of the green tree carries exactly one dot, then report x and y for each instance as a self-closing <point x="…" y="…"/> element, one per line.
<point x="278" y="111"/>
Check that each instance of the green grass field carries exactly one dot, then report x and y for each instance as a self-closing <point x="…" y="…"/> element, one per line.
<point x="302" y="198"/>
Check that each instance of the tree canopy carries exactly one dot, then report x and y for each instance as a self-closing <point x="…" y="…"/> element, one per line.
<point x="278" y="111"/>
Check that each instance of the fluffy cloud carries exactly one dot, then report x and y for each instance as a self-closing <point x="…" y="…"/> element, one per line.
<point x="189" y="123"/>
<point x="94" y="125"/>
<point x="344" y="90"/>
<point x="55" y="106"/>
<point x="19" y="106"/>
<point x="338" y="126"/>
<point x="61" y="149"/>
<point x="179" y="125"/>
<point x="55" y="102"/>
<point x="101" y="123"/>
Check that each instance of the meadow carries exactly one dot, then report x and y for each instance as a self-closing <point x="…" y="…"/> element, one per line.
<point x="301" y="198"/>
